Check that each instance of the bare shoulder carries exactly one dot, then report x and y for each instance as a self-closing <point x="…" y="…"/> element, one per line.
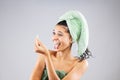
<point x="78" y="70"/>
<point x="83" y="63"/>
<point x="82" y="66"/>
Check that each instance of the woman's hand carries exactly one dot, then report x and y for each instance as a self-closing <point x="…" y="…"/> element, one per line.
<point x="40" y="47"/>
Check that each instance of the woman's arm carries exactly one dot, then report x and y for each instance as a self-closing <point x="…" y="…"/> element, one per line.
<point x="77" y="71"/>
<point x="41" y="49"/>
<point x="38" y="69"/>
<point x="50" y="68"/>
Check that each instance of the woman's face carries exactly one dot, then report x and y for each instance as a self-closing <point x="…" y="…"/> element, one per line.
<point x="61" y="38"/>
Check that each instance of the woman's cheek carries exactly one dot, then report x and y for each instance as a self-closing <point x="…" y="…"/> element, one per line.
<point x="67" y="41"/>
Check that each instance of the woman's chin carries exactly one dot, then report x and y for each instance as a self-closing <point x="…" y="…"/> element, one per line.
<point x="56" y="49"/>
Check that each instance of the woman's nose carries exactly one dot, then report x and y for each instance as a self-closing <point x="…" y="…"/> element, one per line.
<point x="54" y="37"/>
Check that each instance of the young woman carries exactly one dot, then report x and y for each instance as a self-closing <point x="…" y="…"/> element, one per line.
<point x="59" y="64"/>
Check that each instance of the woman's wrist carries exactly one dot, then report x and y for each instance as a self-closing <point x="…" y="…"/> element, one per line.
<point x="47" y="54"/>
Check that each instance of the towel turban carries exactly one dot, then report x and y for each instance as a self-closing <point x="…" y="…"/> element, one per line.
<point x="78" y="28"/>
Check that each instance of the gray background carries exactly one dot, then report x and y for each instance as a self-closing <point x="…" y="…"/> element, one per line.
<point x="22" y="20"/>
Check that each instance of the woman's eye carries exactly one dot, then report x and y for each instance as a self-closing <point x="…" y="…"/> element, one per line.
<point x="60" y="35"/>
<point x="53" y="33"/>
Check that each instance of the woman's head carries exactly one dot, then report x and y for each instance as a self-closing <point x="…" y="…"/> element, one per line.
<point x="75" y="24"/>
<point x="61" y="37"/>
<point x="78" y="28"/>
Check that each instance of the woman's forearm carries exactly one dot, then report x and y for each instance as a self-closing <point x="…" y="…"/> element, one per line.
<point x="50" y="68"/>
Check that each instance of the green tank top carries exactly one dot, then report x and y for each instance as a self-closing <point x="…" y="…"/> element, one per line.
<point x="61" y="74"/>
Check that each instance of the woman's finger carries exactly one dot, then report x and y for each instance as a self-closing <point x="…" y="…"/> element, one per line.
<point x="38" y="49"/>
<point x="37" y="42"/>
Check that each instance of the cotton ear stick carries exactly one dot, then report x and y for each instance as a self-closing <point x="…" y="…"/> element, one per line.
<point x="37" y="36"/>
<point x="37" y="39"/>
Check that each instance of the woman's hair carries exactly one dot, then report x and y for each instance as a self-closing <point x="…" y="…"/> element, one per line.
<point x="63" y="23"/>
<point x="87" y="53"/>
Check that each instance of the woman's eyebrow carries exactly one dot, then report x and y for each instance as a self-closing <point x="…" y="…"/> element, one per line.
<point x="58" y="31"/>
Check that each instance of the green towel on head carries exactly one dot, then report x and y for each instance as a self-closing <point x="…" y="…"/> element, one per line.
<point x="78" y="29"/>
<point x="61" y="74"/>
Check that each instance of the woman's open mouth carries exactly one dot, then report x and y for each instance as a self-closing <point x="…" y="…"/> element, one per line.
<point x="56" y="44"/>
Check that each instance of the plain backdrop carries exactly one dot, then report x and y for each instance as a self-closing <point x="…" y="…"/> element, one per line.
<point x="22" y="20"/>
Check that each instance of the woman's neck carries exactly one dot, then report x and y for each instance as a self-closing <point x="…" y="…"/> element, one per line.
<point x="63" y="55"/>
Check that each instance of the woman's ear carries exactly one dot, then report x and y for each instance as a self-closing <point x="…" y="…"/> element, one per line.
<point x="71" y="41"/>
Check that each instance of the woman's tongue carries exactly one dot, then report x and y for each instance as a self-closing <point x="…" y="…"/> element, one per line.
<point x="56" y="45"/>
